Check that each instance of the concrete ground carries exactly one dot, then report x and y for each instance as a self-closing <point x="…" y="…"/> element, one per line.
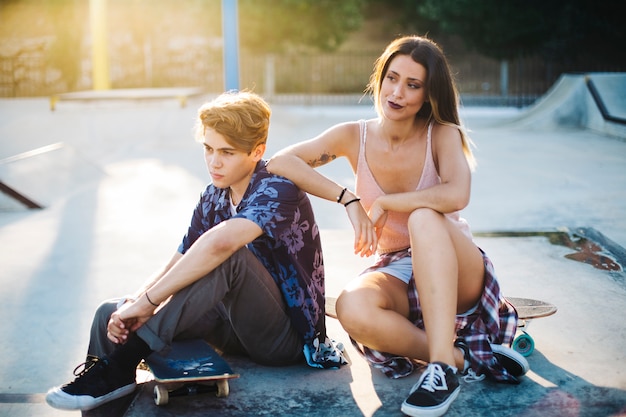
<point x="121" y="184"/>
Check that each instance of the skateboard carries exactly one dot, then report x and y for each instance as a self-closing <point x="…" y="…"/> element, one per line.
<point x="330" y="307"/>
<point x="191" y="367"/>
<point x="527" y="309"/>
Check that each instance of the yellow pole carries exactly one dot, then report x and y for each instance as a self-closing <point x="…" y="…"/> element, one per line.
<point x="100" y="49"/>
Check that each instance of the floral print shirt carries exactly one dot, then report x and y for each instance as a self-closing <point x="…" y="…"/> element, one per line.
<point x="290" y="246"/>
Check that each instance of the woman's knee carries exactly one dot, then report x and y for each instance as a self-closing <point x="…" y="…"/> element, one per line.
<point x="347" y="305"/>
<point x="425" y="217"/>
<point x="355" y="311"/>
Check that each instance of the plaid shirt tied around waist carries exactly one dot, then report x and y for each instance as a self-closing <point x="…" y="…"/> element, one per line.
<point x="493" y="321"/>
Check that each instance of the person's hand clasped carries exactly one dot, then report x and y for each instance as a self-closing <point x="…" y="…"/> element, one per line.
<point x="365" y="238"/>
<point x="127" y="319"/>
<point x="378" y="217"/>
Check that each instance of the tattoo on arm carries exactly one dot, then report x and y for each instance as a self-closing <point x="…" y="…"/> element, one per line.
<point x="324" y="158"/>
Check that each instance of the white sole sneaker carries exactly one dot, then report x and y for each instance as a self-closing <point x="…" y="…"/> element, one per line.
<point x="58" y="398"/>
<point x="434" y="411"/>
<point x="512" y="361"/>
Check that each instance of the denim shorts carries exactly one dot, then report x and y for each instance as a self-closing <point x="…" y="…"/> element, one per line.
<point x="401" y="269"/>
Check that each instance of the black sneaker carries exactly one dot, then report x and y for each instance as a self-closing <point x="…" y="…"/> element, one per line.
<point x="461" y="344"/>
<point x="512" y="361"/>
<point x="434" y="391"/>
<point x="98" y="382"/>
<point x="469" y="375"/>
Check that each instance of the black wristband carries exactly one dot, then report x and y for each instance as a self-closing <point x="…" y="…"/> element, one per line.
<point x="150" y="301"/>
<point x="352" y="201"/>
<point x="341" y="195"/>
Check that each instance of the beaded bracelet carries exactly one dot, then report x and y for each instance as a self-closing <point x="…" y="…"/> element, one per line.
<point x="351" y="201"/>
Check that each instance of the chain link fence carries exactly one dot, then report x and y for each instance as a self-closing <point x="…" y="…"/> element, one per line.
<point x="335" y="78"/>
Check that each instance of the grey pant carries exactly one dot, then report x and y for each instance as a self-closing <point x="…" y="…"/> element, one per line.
<point x="237" y="308"/>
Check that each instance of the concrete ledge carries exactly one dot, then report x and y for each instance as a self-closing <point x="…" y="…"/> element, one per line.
<point x="181" y="94"/>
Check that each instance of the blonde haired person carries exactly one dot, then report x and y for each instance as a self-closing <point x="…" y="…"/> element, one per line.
<point x="431" y="294"/>
<point x="248" y="276"/>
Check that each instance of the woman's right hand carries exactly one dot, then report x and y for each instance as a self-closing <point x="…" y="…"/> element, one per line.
<point x="365" y="237"/>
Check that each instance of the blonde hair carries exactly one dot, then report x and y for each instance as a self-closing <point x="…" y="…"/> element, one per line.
<point x="242" y="117"/>
<point x="442" y="103"/>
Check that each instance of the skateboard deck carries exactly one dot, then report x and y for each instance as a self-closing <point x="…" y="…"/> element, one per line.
<point x="191" y="367"/>
<point x="330" y="307"/>
<point x="527" y="309"/>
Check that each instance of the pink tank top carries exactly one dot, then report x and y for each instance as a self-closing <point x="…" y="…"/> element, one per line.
<point x="395" y="235"/>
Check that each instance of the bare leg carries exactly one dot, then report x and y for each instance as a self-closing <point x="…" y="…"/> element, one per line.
<point x="449" y="273"/>
<point x="374" y="310"/>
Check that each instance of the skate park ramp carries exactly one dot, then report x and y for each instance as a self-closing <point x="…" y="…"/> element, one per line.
<point x="42" y="176"/>
<point x="595" y="101"/>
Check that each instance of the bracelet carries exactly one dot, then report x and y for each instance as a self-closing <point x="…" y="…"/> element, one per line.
<point x="341" y="195"/>
<point x="352" y="201"/>
<point x="149" y="300"/>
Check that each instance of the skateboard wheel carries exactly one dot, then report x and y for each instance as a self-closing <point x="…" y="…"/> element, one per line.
<point x="161" y="395"/>
<point x="222" y="388"/>
<point x="524" y="344"/>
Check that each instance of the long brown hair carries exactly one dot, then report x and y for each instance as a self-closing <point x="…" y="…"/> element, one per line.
<point x="442" y="102"/>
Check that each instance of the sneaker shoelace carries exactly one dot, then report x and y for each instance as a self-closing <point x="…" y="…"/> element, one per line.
<point x="470" y="376"/>
<point x="434" y="379"/>
<point x="84" y="367"/>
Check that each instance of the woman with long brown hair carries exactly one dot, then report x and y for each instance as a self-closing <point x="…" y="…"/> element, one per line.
<point x="431" y="295"/>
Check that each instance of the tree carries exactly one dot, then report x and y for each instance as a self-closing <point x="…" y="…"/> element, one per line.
<point x="590" y="30"/>
<point x="278" y="25"/>
<point x="559" y="29"/>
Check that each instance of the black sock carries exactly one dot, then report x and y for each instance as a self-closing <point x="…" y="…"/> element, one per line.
<point x="128" y="355"/>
